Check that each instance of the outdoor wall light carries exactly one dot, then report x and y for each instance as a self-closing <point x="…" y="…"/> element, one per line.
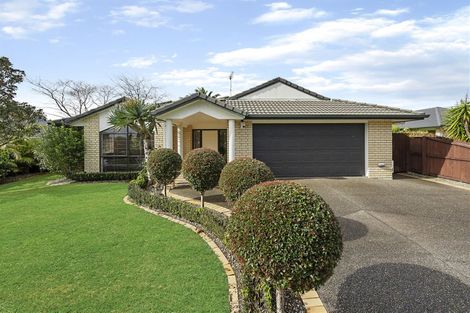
<point x="381" y="165"/>
<point x="242" y="124"/>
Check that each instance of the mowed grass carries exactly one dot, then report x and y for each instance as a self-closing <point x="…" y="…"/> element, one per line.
<point x="79" y="248"/>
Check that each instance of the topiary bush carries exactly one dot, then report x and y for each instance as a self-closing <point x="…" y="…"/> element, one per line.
<point x="286" y="235"/>
<point x="164" y="165"/>
<point x="240" y="175"/>
<point x="201" y="168"/>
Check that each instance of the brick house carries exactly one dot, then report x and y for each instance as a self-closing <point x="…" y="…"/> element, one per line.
<point x="295" y="131"/>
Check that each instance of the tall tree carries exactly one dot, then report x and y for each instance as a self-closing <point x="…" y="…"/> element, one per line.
<point x="17" y="119"/>
<point x="457" y="123"/>
<point x="69" y="96"/>
<point x="137" y="114"/>
<point x="138" y="88"/>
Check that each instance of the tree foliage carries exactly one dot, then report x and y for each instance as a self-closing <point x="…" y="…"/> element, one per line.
<point x="17" y="119"/>
<point x="286" y="235"/>
<point x="204" y="92"/>
<point x="137" y="114"/>
<point x="60" y="150"/>
<point x="202" y="168"/>
<point x="164" y="166"/>
<point x="457" y="122"/>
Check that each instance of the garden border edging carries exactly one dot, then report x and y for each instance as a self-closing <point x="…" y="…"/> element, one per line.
<point x="229" y="271"/>
<point x="311" y="300"/>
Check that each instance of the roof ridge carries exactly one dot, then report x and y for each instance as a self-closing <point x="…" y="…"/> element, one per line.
<point x="277" y="80"/>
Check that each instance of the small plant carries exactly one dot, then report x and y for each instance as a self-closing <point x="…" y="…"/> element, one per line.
<point x="164" y="166"/>
<point x="240" y="175"/>
<point x="286" y="235"/>
<point x="103" y="176"/>
<point x="202" y="168"/>
<point x="457" y="121"/>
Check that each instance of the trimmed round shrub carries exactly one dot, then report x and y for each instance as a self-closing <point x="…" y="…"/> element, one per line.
<point x="285" y="234"/>
<point x="240" y="175"/>
<point x="201" y="168"/>
<point x="164" y="165"/>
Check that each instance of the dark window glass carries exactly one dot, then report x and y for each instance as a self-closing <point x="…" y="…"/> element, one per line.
<point x="121" y="150"/>
<point x="197" y="138"/>
<point x="222" y="141"/>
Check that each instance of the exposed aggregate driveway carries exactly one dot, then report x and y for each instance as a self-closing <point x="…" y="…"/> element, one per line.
<point x="406" y="246"/>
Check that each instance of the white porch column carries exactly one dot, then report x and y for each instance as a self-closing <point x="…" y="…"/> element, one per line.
<point x="168" y="134"/>
<point x="231" y="140"/>
<point x="179" y="136"/>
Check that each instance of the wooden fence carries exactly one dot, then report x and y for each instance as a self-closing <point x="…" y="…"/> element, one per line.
<point x="432" y="156"/>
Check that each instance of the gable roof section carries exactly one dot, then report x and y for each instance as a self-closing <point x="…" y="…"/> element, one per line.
<point x="193" y="97"/>
<point x="320" y="109"/>
<point x="68" y="120"/>
<point x="275" y="81"/>
<point x="435" y="119"/>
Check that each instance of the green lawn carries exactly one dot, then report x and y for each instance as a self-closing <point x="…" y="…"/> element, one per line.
<point x="79" y="248"/>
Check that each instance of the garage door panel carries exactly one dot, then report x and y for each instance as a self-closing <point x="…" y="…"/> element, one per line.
<point x="309" y="150"/>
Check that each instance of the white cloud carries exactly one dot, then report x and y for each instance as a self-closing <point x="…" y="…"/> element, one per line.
<point x="211" y="78"/>
<point x="24" y="17"/>
<point x="302" y="42"/>
<point x="389" y="12"/>
<point x="396" y="29"/>
<point x="429" y="68"/>
<point x="284" y="12"/>
<point x="189" y="6"/>
<point x="139" y="15"/>
<point x="139" y="62"/>
<point x="146" y="61"/>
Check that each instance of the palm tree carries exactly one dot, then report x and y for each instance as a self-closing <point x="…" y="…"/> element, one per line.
<point x="457" y="122"/>
<point x="204" y="92"/>
<point x="137" y="115"/>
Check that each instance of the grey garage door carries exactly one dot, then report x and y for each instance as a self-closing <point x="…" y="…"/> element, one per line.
<point x="310" y="150"/>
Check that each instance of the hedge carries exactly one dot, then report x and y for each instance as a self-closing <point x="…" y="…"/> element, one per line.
<point x="104" y="176"/>
<point x="213" y="221"/>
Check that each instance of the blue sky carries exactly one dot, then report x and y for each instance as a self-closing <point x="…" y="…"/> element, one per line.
<point x="409" y="54"/>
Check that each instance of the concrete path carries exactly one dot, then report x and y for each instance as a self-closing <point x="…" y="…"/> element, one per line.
<point x="406" y="246"/>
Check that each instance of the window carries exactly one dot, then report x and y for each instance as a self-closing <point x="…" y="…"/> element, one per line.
<point x="121" y="150"/>
<point x="199" y="134"/>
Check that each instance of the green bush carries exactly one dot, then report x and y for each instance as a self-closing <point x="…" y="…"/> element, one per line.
<point x="164" y="165"/>
<point x="7" y="163"/>
<point x="60" y="150"/>
<point x="210" y="220"/>
<point x="141" y="180"/>
<point x="201" y="168"/>
<point x="104" y="176"/>
<point x="286" y="235"/>
<point x="240" y="175"/>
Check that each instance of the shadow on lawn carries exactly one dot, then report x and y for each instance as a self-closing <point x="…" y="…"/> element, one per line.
<point x="399" y="287"/>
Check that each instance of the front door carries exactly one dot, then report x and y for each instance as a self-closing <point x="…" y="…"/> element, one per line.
<point x="214" y="139"/>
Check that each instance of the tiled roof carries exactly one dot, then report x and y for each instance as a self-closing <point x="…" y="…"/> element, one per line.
<point x="435" y="119"/>
<point x="319" y="109"/>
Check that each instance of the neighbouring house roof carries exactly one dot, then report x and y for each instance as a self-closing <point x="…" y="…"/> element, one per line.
<point x="435" y="119"/>
<point x="315" y="109"/>
<point x="275" y="81"/>
<point x="196" y="96"/>
<point x="68" y="120"/>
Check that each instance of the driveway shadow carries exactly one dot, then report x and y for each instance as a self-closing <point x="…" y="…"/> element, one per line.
<point x="399" y="287"/>
<point x="351" y="229"/>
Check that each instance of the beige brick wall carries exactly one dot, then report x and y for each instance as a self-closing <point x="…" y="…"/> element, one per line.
<point x="160" y="135"/>
<point x="187" y="140"/>
<point x="91" y="136"/>
<point x="243" y="140"/>
<point x="379" y="141"/>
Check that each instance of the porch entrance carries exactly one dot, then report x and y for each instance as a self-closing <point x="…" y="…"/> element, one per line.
<point x="215" y="139"/>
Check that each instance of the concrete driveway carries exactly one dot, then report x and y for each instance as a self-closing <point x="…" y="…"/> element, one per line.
<point x="406" y="246"/>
